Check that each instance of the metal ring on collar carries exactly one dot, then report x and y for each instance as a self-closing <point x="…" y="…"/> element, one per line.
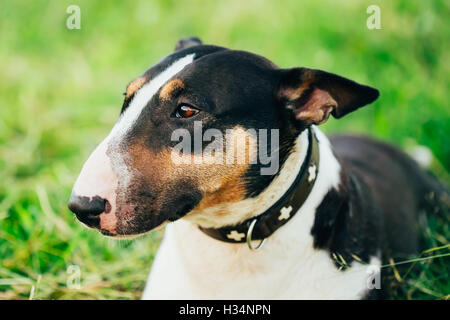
<point x="249" y="237"/>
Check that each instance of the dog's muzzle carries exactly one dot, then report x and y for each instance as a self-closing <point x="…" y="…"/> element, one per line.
<point x="93" y="198"/>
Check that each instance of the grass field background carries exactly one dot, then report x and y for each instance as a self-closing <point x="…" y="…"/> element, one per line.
<point x="61" y="92"/>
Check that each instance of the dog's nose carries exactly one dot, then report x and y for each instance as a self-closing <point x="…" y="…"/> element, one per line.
<point x="87" y="209"/>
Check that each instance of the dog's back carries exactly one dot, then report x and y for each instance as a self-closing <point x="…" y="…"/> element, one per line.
<point x="401" y="190"/>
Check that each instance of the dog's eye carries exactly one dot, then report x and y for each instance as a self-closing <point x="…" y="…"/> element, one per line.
<point x="185" y="111"/>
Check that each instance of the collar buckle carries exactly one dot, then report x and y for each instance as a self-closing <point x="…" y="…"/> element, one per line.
<point x="249" y="237"/>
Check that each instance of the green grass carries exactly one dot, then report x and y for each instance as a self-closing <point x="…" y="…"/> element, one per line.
<point x="61" y="91"/>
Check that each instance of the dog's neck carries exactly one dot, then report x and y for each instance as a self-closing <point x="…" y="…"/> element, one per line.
<point x="292" y="242"/>
<point x="234" y="213"/>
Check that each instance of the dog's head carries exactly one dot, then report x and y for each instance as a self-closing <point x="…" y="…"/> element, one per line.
<point x="141" y="175"/>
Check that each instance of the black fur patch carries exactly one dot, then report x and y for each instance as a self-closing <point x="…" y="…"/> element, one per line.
<point x="347" y="223"/>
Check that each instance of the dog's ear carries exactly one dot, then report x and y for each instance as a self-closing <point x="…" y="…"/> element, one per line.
<point x="188" y="42"/>
<point x="314" y="94"/>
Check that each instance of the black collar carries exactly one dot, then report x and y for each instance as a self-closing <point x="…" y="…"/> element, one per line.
<point x="262" y="226"/>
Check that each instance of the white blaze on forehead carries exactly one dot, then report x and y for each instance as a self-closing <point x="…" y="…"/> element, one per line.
<point x="144" y="94"/>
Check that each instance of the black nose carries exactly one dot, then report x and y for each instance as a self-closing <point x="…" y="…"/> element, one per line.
<point x="87" y="209"/>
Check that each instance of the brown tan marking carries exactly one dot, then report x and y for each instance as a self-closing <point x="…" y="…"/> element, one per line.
<point x="135" y="85"/>
<point x="219" y="183"/>
<point x="293" y="93"/>
<point x="170" y="88"/>
<point x="228" y="183"/>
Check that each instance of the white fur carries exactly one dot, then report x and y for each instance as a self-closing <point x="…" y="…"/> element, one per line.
<point x="192" y="265"/>
<point x="422" y="155"/>
<point x="108" y="164"/>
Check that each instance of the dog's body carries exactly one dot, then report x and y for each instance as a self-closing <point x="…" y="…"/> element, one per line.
<point x="297" y="261"/>
<point x="361" y="209"/>
<point x="286" y="267"/>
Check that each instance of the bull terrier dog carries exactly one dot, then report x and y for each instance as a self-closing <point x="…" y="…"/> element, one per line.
<point x="287" y="214"/>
